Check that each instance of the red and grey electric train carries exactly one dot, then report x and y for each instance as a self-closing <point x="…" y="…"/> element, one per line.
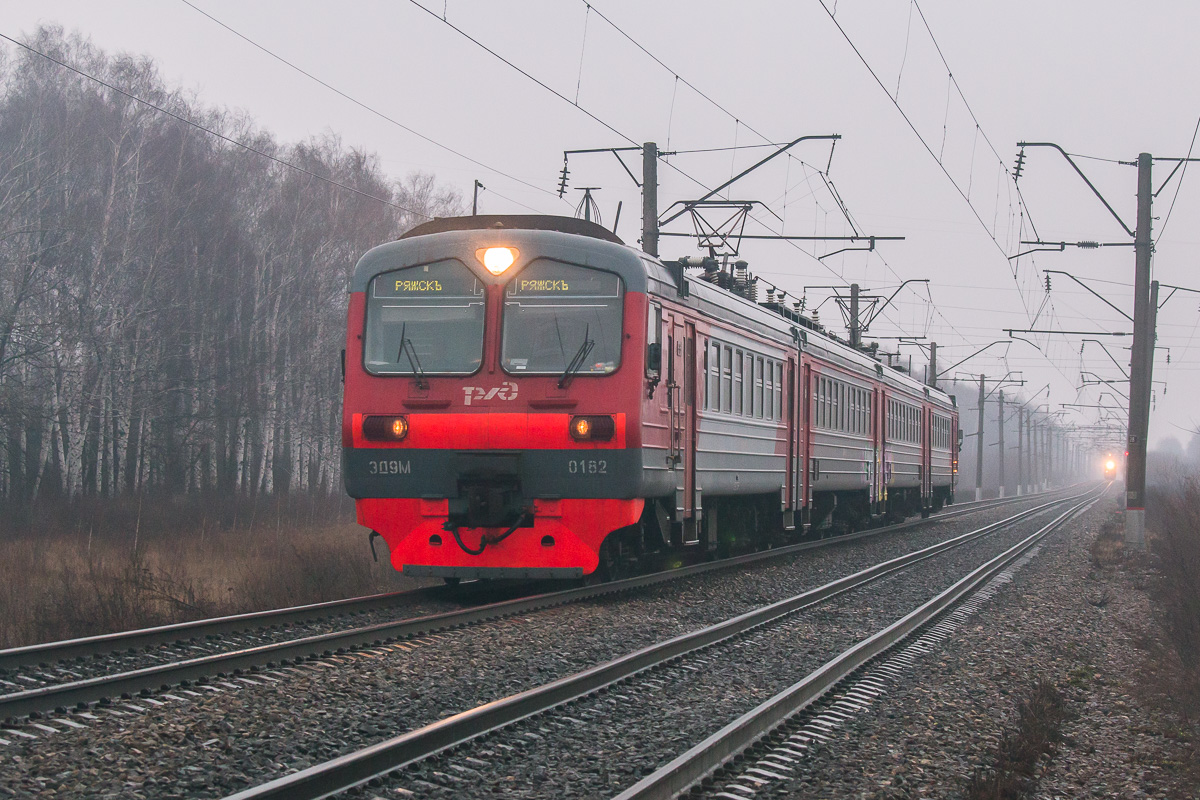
<point x="526" y="396"/>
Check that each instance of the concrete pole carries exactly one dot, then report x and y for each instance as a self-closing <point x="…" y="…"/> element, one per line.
<point x="1020" y="451"/>
<point x="931" y="378"/>
<point x="1051" y="454"/>
<point x="979" y="443"/>
<point x="1046" y="455"/>
<point x="475" y="198"/>
<point x="855" y="329"/>
<point x="1140" y="368"/>
<point x="1035" y="468"/>
<point x="1000" y="428"/>
<point x="650" y="198"/>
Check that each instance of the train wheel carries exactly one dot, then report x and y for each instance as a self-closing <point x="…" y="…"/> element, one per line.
<point x="610" y="559"/>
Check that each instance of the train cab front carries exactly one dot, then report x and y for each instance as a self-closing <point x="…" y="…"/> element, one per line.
<point x="492" y="383"/>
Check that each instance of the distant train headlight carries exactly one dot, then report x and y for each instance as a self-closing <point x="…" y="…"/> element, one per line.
<point x="593" y="428"/>
<point x="385" y="429"/>
<point x="497" y="259"/>
<point x="1110" y="464"/>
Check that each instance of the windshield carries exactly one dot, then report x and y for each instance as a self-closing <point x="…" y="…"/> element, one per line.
<point x="560" y="318"/>
<point x="425" y="320"/>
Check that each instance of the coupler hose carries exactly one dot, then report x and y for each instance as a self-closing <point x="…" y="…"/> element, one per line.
<point x="484" y="541"/>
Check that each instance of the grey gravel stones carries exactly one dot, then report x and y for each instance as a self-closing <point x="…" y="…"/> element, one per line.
<point x="210" y="745"/>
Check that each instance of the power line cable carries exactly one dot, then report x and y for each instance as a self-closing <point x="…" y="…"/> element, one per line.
<point x="364" y="106"/>
<point x="738" y="121"/>
<point x="602" y="122"/>
<point x="212" y="132"/>
<point x="1179" y="185"/>
<point x="1024" y="212"/>
<point x="527" y="74"/>
<point x="677" y="76"/>
<point x="912" y="126"/>
<point x="741" y="123"/>
<point x="545" y="86"/>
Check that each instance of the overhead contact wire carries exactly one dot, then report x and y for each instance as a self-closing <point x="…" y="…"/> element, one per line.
<point x="364" y="106"/>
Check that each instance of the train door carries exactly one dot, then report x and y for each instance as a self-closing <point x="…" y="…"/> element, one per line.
<point x="792" y="401"/>
<point x="876" y="452"/>
<point x="883" y="472"/>
<point x="926" y="461"/>
<point x="806" y="427"/>
<point x="681" y="402"/>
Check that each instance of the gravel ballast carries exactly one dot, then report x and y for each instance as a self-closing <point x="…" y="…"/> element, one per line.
<point x="604" y="743"/>
<point x="207" y="746"/>
<point x="1060" y="620"/>
<point x="424" y="602"/>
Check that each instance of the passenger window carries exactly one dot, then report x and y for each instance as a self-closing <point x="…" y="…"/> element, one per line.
<point x="758" y="387"/>
<point x="714" y="377"/>
<point x="819" y="399"/>
<point x="748" y="389"/>
<point x="779" y="391"/>
<point x="727" y="379"/>
<point x="738" y="362"/>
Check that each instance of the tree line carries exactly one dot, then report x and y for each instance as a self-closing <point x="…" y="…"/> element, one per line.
<point x="172" y="306"/>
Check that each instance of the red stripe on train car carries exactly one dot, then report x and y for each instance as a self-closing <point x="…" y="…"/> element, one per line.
<point x="489" y="431"/>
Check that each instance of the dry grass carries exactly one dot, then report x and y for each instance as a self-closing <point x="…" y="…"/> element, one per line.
<point x="106" y="567"/>
<point x="1108" y="548"/>
<point x="1173" y="516"/>
<point x="1038" y="731"/>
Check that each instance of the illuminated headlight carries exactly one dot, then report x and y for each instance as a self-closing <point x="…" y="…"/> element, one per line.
<point x="385" y="429"/>
<point x="497" y="259"/>
<point x="1110" y="464"/>
<point x="592" y="429"/>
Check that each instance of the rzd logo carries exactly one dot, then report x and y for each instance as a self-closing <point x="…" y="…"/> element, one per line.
<point x="505" y="391"/>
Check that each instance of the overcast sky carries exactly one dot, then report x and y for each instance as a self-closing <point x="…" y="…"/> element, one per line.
<point x="1104" y="79"/>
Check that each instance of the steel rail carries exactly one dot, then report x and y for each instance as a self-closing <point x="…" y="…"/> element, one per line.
<point x="85" y="647"/>
<point x="163" y="676"/>
<point x="710" y="755"/>
<point x="354" y="769"/>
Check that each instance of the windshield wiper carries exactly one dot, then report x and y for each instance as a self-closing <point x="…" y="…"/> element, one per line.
<point x="577" y="362"/>
<point x="408" y="349"/>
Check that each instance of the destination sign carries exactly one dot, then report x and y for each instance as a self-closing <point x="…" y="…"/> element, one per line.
<point x="440" y="279"/>
<point x="551" y="279"/>
<point x="418" y="286"/>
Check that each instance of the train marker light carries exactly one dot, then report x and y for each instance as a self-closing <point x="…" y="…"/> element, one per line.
<point x="592" y="429"/>
<point x="497" y="259"/>
<point x="385" y="429"/>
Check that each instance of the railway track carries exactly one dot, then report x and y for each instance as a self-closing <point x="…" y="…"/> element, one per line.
<point x="81" y="672"/>
<point x="462" y="731"/>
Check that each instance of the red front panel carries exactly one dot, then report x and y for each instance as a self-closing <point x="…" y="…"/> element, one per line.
<point x="414" y="528"/>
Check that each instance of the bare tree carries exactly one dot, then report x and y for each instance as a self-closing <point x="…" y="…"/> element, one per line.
<point x="172" y="306"/>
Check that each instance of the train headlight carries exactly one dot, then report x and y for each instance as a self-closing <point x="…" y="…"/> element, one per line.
<point x="1110" y="464"/>
<point x="385" y="429"/>
<point x="592" y="428"/>
<point x="497" y="259"/>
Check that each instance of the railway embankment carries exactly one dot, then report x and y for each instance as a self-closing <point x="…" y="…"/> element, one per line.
<point x="1068" y="680"/>
<point x="270" y="724"/>
<point x="1066" y="685"/>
